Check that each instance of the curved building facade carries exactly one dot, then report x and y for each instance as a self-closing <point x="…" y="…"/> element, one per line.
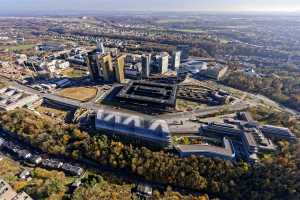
<point x="154" y="131"/>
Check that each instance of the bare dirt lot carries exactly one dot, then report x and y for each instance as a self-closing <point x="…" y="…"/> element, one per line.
<point x="79" y="93"/>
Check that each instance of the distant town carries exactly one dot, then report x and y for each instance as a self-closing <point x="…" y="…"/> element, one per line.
<point x="189" y="89"/>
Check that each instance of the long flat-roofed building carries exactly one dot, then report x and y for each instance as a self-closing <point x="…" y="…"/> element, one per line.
<point x="222" y="129"/>
<point x="225" y="152"/>
<point x="279" y="133"/>
<point x="253" y="140"/>
<point x="250" y="143"/>
<point x="244" y="116"/>
<point x="154" y="131"/>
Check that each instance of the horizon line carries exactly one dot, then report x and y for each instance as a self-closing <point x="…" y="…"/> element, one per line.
<point x="92" y="12"/>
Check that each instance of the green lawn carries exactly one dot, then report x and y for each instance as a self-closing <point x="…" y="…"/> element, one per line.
<point x="184" y="105"/>
<point x="9" y="170"/>
<point x="190" y="30"/>
<point x="2" y="85"/>
<point x="20" y="47"/>
<point x="74" y="73"/>
<point x="167" y="21"/>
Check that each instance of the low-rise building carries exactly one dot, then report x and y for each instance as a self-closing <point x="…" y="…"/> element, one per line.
<point x="12" y="98"/>
<point x="143" y="191"/>
<point x="7" y="193"/>
<point x="77" y="59"/>
<point x="51" y="164"/>
<point x="63" y="82"/>
<point x="278" y="133"/>
<point x="1" y="142"/>
<point x="54" y="65"/>
<point x="225" y="152"/>
<point x="36" y="159"/>
<point x="133" y="71"/>
<point x="49" y="47"/>
<point x="24" y="174"/>
<point x="222" y="129"/>
<point x="215" y="72"/>
<point x="252" y="139"/>
<point x="148" y="93"/>
<point x="72" y="169"/>
<point x="192" y="66"/>
<point x="21" y="59"/>
<point x="22" y="196"/>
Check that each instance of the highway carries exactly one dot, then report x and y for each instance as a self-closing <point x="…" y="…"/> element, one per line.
<point x="257" y="98"/>
<point x="277" y="105"/>
<point x="169" y="117"/>
<point x="91" y="105"/>
<point x="69" y="102"/>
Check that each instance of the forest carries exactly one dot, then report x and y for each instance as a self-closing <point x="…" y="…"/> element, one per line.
<point x="277" y="177"/>
<point x="281" y="86"/>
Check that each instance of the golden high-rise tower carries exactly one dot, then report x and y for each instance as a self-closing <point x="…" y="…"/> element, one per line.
<point x="107" y="68"/>
<point x="119" y="69"/>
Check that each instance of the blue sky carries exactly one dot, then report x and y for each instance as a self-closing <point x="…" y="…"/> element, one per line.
<point x="16" y="6"/>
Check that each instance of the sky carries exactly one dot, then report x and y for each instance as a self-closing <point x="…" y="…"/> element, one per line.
<point x="60" y="6"/>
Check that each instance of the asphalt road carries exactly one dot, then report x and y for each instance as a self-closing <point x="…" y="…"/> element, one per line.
<point x="91" y="105"/>
<point x="71" y="102"/>
<point x="94" y="106"/>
